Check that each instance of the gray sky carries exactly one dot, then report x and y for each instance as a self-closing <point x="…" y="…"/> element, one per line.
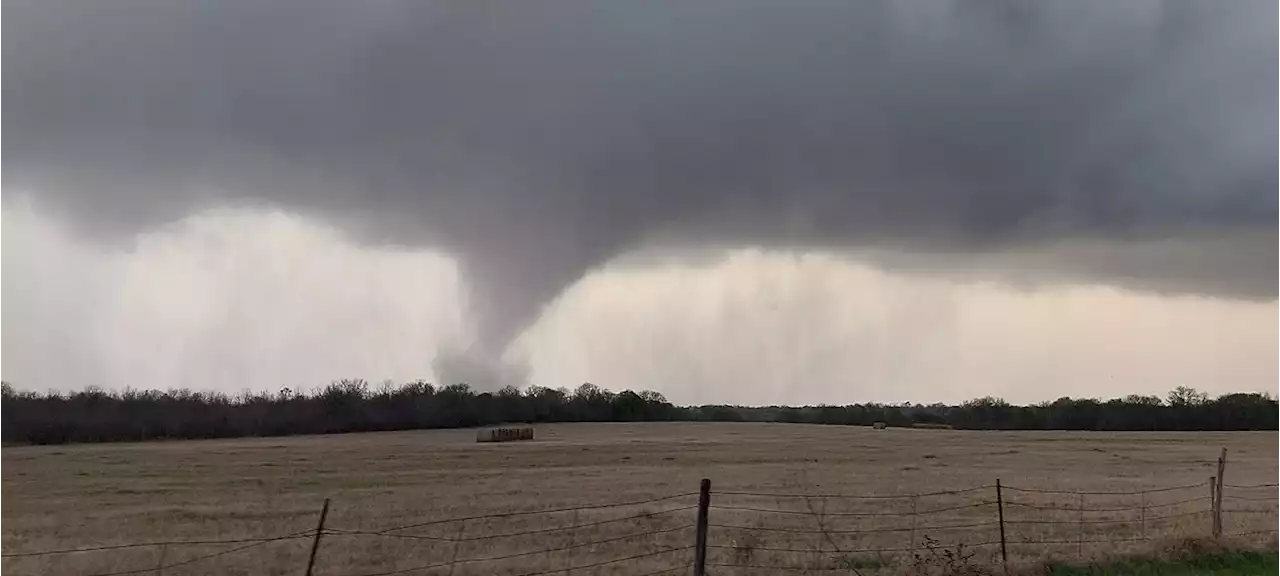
<point x="1119" y="144"/>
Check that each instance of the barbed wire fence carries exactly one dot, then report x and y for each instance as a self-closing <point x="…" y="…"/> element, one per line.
<point x="744" y="532"/>
<point x="650" y="536"/>
<point x="843" y="533"/>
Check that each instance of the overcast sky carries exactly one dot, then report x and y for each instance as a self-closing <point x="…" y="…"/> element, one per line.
<point x="729" y="201"/>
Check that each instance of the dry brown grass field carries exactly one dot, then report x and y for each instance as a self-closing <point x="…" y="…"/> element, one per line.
<point x="809" y="519"/>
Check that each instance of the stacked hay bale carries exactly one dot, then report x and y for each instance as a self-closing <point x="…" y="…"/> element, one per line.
<point x="504" y="434"/>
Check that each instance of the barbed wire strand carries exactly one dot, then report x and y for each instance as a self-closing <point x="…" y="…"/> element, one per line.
<point x="1247" y="511"/>
<point x="1248" y="499"/>
<point x="533" y="512"/>
<point x="304" y="534"/>
<point x="1121" y="509"/>
<point x="541" y="572"/>
<point x="868" y="531"/>
<point x="1055" y="542"/>
<point x="391" y="534"/>
<point x="780" y="567"/>
<point x="1112" y="521"/>
<point x="853" y="496"/>
<point x="545" y="551"/>
<point x="1251" y="533"/>
<point x="1118" y="493"/>
<point x="862" y="551"/>
<point x="807" y="513"/>
<point x="158" y="543"/>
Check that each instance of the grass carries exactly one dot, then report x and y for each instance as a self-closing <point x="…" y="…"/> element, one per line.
<point x="85" y="495"/>
<point x="1240" y="563"/>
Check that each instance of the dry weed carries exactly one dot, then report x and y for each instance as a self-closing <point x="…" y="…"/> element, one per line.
<point x="75" y="496"/>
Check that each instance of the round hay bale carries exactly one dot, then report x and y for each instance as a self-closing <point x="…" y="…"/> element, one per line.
<point x="504" y="434"/>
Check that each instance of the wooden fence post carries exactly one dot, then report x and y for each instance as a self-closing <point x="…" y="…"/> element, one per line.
<point x="315" y="544"/>
<point x="457" y="543"/>
<point x="915" y="508"/>
<point x="700" y="536"/>
<point x="1213" y="506"/>
<point x="1143" y="507"/>
<point x="160" y="562"/>
<point x="1217" y="516"/>
<point x="1080" y="520"/>
<point x="573" y="535"/>
<point x="1004" y="553"/>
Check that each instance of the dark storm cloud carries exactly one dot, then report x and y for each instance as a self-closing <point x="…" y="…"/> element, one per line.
<point x="537" y="139"/>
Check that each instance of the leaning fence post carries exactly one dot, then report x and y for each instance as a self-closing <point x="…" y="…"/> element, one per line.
<point x="1213" y="506"/>
<point x="315" y="544"/>
<point x="700" y="536"/>
<point x="1004" y="554"/>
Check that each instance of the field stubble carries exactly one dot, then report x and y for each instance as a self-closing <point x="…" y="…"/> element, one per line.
<point x="794" y="505"/>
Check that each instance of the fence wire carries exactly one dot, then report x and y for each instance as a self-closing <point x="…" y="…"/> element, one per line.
<point x="534" y="512"/>
<point x="162" y="567"/>
<point x="393" y="532"/>
<point x="744" y="533"/>
<point x="598" y="542"/>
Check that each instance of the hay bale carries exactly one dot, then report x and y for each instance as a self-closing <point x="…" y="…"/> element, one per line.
<point x="504" y="434"/>
<point x="880" y="425"/>
<point x="931" y="426"/>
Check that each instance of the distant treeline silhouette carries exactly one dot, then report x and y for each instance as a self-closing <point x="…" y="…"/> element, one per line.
<point x="97" y="415"/>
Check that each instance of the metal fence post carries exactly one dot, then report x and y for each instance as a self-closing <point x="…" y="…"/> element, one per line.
<point x="315" y="544"/>
<point x="1004" y="553"/>
<point x="700" y="536"/>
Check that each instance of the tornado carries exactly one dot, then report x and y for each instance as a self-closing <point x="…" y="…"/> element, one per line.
<point x="1125" y="144"/>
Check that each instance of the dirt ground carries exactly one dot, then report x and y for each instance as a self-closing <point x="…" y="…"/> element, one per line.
<point x="784" y="496"/>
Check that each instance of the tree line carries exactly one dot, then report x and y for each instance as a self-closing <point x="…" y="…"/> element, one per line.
<point x="97" y="415"/>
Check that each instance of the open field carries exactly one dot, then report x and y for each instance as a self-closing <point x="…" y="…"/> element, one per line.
<point x="85" y="495"/>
